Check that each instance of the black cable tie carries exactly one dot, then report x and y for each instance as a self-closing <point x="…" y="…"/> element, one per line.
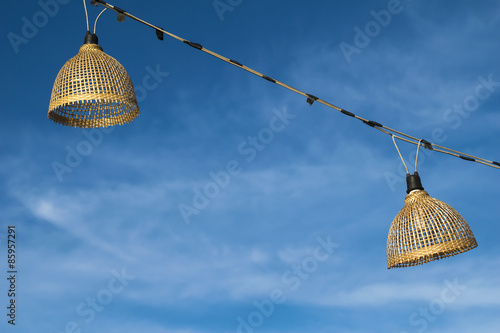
<point x="372" y="123"/>
<point x="311" y="99"/>
<point x="235" y="62"/>
<point x="159" y="34"/>
<point x="347" y="113"/>
<point x="427" y="144"/>
<point x="94" y="3"/>
<point x="496" y="163"/>
<point x="270" y="79"/>
<point x="121" y="14"/>
<point x="467" y="158"/>
<point x="121" y="17"/>
<point x="195" y="45"/>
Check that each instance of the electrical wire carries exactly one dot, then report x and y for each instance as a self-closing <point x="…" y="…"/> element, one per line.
<point x="95" y="23"/>
<point x="416" y="158"/>
<point x="401" y="156"/>
<point x="86" y="15"/>
<point x="311" y="98"/>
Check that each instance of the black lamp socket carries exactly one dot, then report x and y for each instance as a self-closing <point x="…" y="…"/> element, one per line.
<point x="413" y="182"/>
<point x="90" y="38"/>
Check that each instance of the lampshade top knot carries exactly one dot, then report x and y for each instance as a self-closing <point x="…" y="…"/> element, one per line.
<point x="92" y="90"/>
<point x="426" y="229"/>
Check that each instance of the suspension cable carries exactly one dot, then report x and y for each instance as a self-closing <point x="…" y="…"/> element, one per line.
<point x="310" y="98"/>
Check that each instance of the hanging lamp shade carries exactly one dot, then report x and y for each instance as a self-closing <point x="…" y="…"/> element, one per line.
<point x="426" y="229"/>
<point x="92" y="90"/>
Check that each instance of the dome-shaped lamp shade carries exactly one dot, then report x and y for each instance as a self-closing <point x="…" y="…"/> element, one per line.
<point x="426" y="229"/>
<point x="92" y="90"/>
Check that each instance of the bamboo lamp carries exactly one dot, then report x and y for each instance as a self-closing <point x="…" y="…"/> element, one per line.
<point x="92" y="90"/>
<point x="426" y="229"/>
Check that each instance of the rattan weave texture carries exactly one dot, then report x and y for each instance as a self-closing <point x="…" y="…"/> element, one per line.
<point x="426" y="229"/>
<point x="93" y="90"/>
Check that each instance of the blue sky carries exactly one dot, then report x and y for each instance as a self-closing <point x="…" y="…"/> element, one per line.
<point x="293" y="237"/>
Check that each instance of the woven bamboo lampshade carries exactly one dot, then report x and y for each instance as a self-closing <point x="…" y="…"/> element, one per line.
<point x="92" y="90"/>
<point x="426" y="229"/>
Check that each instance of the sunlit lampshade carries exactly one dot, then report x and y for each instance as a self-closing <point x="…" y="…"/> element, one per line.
<point x="92" y="90"/>
<point x="426" y="229"/>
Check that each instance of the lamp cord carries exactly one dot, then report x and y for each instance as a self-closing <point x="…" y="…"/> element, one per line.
<point x="310" y="98"/>
<point x="95" y="23"/>
<point x="416" y="158"/>
<point x="401" y="156"/>
<point x="86" y="15"/>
